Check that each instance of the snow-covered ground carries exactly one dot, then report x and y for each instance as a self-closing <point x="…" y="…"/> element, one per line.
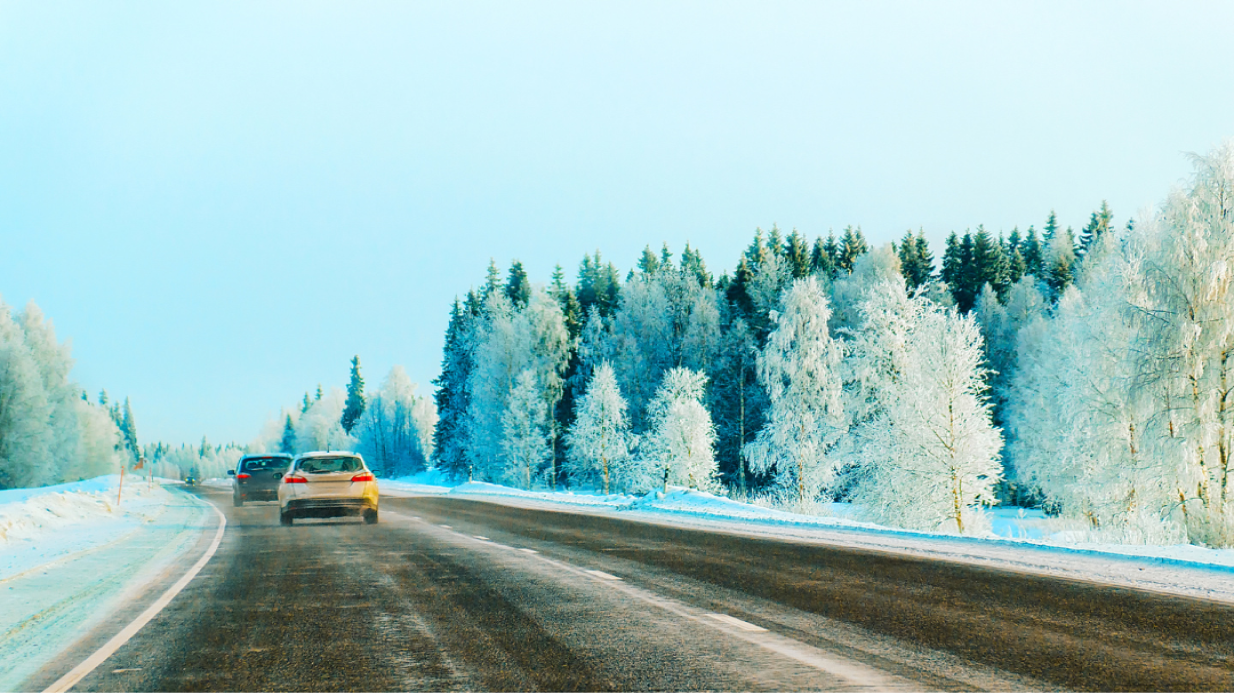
<point x="70" y="553"/>
<point x="1020" y="539"/>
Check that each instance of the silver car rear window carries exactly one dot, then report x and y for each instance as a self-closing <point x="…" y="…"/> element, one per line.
<point x="339" y="464"/>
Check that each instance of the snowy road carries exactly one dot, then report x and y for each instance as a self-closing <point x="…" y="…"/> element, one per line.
<point x="449" y="594"/>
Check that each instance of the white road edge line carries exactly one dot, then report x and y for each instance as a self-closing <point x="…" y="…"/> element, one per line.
<point x="529" y="551"/>
<point x="733" y="621"/>
<point x="601" y="574"/>
<point x="89" y="664"/>
<point x="481" y="537"/>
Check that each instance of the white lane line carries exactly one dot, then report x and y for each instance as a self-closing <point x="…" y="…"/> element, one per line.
<point x="447" y="527"/>
<point x="481" y="537"/>
<point x="415" y="518"/>
<point x="733" y="621"/>
<point x="601" y="574"/>
<point x="87" y="666"/>
<point x="529" y="551"/>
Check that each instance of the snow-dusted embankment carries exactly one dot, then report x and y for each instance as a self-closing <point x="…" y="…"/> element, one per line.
<point x="1021" y="540"/>
<point x="70" y="554"/>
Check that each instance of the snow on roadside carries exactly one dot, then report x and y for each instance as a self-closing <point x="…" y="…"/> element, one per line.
<point x="44" y="524"/>
<point x="1022" y="539"/>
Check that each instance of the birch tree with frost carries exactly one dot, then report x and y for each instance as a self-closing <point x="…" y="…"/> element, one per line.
<point x="525" y="438"/>
<point x="800" y="370"/>
<point x="679" y="447"/>
<point x="599" y="442"/>
<point x="931" y="453"/>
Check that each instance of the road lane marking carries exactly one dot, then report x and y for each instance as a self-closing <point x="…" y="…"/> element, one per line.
<point x="89" y="664"/>
<point x="733" y="621"/>
<point x="481" y="537"/>
<point x="601" y="574"/>
<point x="447" y="527"/>
<point x="529" y="551"/>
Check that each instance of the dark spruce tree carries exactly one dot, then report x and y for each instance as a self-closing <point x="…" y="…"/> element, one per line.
<point x="916" y="263"/>
<point x="453" y="396"/>
<point x="692" y="265"/>
<point x="492" y="279"/>
<point x="355" y="397"/>
<point x="598" y="285"/>
<point x="1098" y="226"/>
<point x="648" y="263"/>
<point x="518" y="289"/>
<point x="797" y="251"/>
<point x="954" y="264"/>
<point x="852" y="245"/>
<point x="821" y="261"/>
<point x="128" y="428"/>
<point x="1030" y="248"/>
<point x="738" y="292"/>
<point x="288" y="443"/>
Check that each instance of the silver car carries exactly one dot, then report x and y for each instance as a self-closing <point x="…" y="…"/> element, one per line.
<point x="327" y="485"/>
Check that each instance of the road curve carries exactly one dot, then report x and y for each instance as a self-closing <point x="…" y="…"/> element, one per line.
<point x="457" y="595"/>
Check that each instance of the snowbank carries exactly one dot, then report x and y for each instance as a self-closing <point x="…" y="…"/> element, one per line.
<point x="70" y="554"/>
<point x="44" y="524"/>
<point x="1012" y="528"/>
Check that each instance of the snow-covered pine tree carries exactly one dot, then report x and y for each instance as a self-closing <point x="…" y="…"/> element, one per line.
<point x="524" y="431"/>
<point x="599" y="442"/>
<point x="931" y="453"/>
<point x="799" y="368"/>
<point x="679" y="447"/>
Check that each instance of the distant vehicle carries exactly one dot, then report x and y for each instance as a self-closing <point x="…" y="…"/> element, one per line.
<point x="327" y="485"/>
<point x="191" y="480"/>
<point x="256" y="477"/>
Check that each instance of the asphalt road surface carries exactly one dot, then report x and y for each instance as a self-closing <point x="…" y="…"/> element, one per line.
<point x="456" y="595"/>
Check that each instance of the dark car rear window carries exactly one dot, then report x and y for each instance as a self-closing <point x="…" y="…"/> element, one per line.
<point x="339" y="464"/>
<point x="255" y="464"/>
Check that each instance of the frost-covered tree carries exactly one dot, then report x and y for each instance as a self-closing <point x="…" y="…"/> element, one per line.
<point x="525" y="439"/>
<point x="25" y="438"/>
<point x="321" y="427"/>
<point x="599" y="442"/>
<point x="930" y="451"/>
<point x="679" y="447"/>
<point x="642" y="342"/>
<point x="509" y="341"/>
<point x="848" y="291"/>
<point x="387" y="434"/>
<point x="1188" y="264"/>
<point x="800" y="369"/>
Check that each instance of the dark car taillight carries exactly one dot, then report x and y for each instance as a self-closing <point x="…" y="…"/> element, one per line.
<point x="363" y="477"/>
<point x="243" y="476"/>
<point x="294" y="479"/>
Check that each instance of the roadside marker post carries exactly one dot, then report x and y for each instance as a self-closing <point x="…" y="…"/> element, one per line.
<point x="120" y="491"/>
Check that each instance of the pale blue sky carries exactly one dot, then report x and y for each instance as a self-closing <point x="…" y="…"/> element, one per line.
<point x="220" y="203"/>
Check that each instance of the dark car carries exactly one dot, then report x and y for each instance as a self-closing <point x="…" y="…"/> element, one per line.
<point x="257" y="477"/>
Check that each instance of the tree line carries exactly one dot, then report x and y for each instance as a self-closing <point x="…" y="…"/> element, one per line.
<point x="831" y="369"/>
<point x="50" y="430"/>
